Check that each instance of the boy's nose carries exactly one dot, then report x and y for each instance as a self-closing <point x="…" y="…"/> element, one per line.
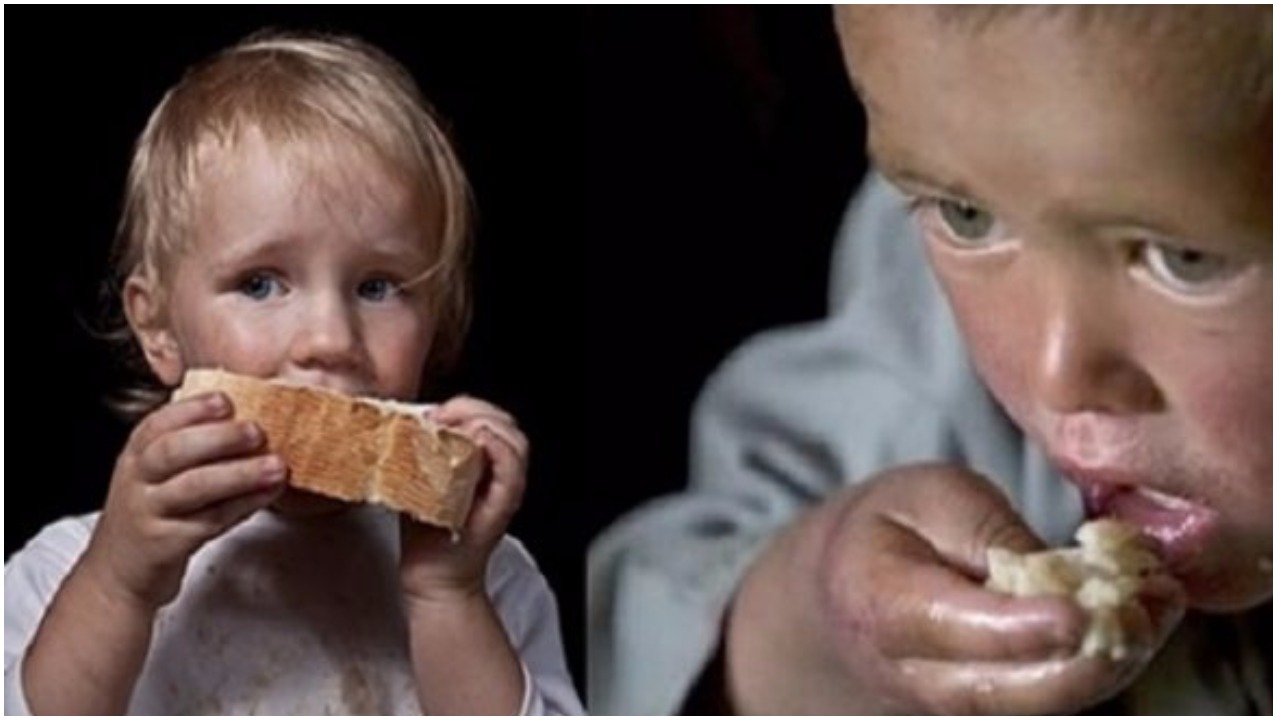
<point x="1084" y="362"/>
<point x="327" y="337"/>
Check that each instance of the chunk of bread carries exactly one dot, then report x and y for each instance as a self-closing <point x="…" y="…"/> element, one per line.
<point x="1103" y="575"/>
<point x="356" y="449"/>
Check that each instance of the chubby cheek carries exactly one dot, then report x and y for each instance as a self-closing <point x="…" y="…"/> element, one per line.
<point x="1224" y="413"/>
<point x="1225" y="407"/>
<point x="213" y="332"/>
<point x="399" y="361"/>
<point x="237" y="346"/>
<point x="393" y="346"/>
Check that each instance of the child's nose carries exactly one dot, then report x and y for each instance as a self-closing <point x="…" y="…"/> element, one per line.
<point x="327" y="337"/>
<point x="1084" y="362"/>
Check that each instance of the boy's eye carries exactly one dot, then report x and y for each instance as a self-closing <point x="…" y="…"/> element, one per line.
<point x="1184" y="269"/>
<point x="259" y="286"/>
<point x="378" y="289"/>
<point x="966" y="222"/>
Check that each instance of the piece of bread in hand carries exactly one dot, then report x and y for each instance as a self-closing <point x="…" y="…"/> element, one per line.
<point x="356" y="449"/>
<point x="1103" y="575"/>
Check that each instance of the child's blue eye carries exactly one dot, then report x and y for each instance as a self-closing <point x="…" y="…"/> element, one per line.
<point x="259" y="286"/>
<point x="1184" y="269"/>
<point x="966" y="221"/>
<point x="378" y="289"/>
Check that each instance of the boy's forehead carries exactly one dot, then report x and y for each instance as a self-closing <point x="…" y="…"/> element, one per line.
<point x="1216" y="62"/>
<point x="1024" y="110"/>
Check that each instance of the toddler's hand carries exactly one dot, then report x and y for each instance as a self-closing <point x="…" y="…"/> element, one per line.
<point x="187" y="474"/>
<point x="432" y="565"/>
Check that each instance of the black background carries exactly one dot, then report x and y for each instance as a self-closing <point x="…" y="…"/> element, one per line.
<point x="653" y="185"/>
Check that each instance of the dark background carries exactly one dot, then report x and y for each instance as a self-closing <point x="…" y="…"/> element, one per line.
<point x="654" y="185"/>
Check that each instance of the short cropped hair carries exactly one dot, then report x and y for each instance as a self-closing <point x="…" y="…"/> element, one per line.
<point x="302" y="93"/>
<point x="1226" y="49"/>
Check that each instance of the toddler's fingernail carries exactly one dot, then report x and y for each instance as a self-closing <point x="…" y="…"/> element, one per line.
<point x="273" y="468"/>
<point x="218" y="403"/>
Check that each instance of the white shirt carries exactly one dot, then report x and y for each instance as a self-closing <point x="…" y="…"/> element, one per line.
<point x="290" y="617"/>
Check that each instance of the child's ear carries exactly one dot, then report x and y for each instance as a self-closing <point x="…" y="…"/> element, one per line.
<point x="145" y="311"/>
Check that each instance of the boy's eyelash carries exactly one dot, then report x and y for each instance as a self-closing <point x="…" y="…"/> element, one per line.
<point x="914" y="203"/>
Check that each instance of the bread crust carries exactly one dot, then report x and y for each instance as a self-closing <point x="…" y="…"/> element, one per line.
<point x="356" y="449"/>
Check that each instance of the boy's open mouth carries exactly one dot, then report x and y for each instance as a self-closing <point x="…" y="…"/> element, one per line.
<point x="1178" y="528"/>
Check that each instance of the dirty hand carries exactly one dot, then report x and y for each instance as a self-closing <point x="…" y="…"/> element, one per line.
<point x="902" y="622"/>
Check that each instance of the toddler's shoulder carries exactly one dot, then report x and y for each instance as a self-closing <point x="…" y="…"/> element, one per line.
<point x="512" y="569"/>
<point x="61" y="542"/>
<point x="511" y="556"/>
<point x="34" y="573"/>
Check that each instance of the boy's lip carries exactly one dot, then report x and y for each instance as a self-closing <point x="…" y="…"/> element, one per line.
<point x="1178" y="527"/>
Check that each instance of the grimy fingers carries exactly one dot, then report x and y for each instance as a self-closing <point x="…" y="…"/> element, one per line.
<point x="463" y="407"/>
<point x="1049" y="687"/>
<point x="503" y="432"/>
<point x="205" y="407"/>
<point x="929" y="609"/>
<point x="962" y="516"/>
<point x="498" y="499"/>
<point x="201" y="487"/>
<point x="215" y="519"/>
<point x="196" y="445"/>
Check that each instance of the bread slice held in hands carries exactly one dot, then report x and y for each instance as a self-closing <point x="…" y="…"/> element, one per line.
<point x="356" y="449"/>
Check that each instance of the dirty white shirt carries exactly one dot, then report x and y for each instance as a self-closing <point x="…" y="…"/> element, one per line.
<point x="285" y="617"/>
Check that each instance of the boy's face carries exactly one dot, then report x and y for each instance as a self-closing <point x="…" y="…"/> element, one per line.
<point x="1105" y="243"/>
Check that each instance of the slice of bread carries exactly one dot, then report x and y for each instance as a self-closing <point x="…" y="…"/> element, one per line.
<point x="1103" y="575"/>
<point x="356" y="449"/>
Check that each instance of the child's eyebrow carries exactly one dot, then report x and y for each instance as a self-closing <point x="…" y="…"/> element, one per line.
<point x="901" y="174"/>
<point x="278" y="247"/>
<point x="245" y="249"/>
<point x="408" y="256"/>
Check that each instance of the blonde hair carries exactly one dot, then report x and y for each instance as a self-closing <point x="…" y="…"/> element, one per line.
<point x="295" y="90"/>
